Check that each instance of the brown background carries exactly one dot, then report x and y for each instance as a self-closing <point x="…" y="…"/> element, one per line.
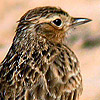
<point x="88" y="54"/>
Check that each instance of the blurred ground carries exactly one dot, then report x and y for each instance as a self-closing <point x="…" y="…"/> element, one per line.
<point x="84" y="41"/>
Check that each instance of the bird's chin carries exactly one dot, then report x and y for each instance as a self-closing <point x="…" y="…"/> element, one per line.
<point x="70" y="30"/>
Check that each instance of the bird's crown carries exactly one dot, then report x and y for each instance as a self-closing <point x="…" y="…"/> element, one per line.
<point x="50" y="22"/>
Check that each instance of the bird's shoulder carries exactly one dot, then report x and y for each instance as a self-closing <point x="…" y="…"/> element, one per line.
<point x="63" y="71"/>
<point x="65" y="67"/>
<point x="44" y="68"/>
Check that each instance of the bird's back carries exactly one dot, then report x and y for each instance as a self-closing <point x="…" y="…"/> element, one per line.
<point x="47" y="72"/>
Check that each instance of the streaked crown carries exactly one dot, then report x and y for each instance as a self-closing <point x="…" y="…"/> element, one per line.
<point x="50" y="22"/>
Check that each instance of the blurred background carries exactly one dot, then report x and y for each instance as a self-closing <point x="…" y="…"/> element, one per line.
<point x="84" y="40"/>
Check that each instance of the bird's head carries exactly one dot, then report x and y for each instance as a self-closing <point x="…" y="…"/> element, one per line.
<point x="49" y="22"/>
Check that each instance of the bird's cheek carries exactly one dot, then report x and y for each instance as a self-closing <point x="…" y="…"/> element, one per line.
<point x="65" y="29"/>
<point x="46" y="29"/>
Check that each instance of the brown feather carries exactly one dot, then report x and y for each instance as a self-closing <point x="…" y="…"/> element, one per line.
<point x="38" y="65"/>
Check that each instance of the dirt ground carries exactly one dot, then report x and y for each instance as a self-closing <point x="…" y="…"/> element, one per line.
<point x="12" y="10"/>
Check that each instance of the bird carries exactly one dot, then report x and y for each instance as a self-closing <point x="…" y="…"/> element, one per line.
<point x="39" y="65"/>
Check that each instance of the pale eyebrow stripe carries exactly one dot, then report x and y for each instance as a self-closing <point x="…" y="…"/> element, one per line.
<point x="49" y="15"/>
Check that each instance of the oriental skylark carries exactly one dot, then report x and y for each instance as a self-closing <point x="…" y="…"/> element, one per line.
<point x="39" y="64"/>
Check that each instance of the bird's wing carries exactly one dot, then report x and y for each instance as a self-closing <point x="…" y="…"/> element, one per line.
<point x="52" y="74"/>
<point x="63" y="76"/>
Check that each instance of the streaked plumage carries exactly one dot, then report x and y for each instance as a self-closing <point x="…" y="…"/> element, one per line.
<point x="39" y="65"/>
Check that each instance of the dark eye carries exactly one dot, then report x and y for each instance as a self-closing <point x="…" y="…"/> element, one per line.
<point x="57" y="22"/>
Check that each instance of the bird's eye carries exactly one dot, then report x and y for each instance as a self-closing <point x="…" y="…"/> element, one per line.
<point x="57" y="22"/>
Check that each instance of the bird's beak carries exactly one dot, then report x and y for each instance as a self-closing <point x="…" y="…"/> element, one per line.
<point x="79" y="21"/>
